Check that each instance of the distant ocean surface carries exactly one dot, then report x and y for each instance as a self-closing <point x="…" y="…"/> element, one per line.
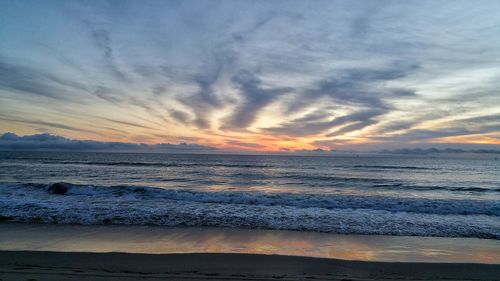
<point x="350" y="195"/>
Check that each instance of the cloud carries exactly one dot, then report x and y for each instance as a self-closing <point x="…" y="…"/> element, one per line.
<point x="221" y="63"/>
<point x="254" y="98"/>
<point x="460" y="127"/>
<point x="425" y="134"/>
<point x="356" y="126"/>
<point x="205" y="100"/>
<point x="242" y="35"/>
<point x="426" y="151"/>
<point x="397" y="125"/>
<point x="44" y="142"/>
<point x="363" y="86"/>
<point x="335" y="71"/>
<point x="180" y="116"/>
<point x="109" y="95"/>
<point x="315" y="123"/>
<point x="46" y="124"/>
<point x="483" y="124"/>
<point x="19" y="78"/>
<point x="317" y="151"/>
<point x="102" y="40"/>
<point x="358" y="89"/>
<point x="126" y="123"/>
<point x="245" y="145"/>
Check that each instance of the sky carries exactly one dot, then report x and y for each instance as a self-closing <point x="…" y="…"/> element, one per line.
<point x="253" y="75"/>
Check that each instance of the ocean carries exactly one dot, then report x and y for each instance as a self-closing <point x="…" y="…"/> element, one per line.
<point x="393" y="195"/>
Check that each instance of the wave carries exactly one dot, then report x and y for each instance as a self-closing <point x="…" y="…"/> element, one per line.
<point x="42" y="160"/>
<point x="210" y="164"/>
<point x="310" y="212"/>
<point x="251" y="174"/>
<point x="329" y="180"/>
<point x="393" y="167"/>
<point x="154" y="164"/>
<point x="435" y="187"/>
<point x="297" y="200"/>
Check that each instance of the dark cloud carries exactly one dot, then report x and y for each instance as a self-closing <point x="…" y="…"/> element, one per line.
<point x="180" y="116"/>
<point x="358" y="87"/>
<point x="426" y="151"/>
<point x="46" y="124"/>
<point x="361" y="23"/>
<point x="11" y="141"/>
<point x="254" y="98"/>
<point x="108" y="94"/>
<point x="356" y="126"/>
<point x="422" y="134"/>
<point x="241" y="36"/>
<point x="460" y="127"/>
<point x="246" y="145"/>
<point x="128" y="123"/>
<point x="20" y="79"/>
<point x="309" y="125"/>
<point x="355" y="88"/>
<point x="117" y="97"/>
<point x="354" y="85"/>
<point x="485" y="124"/>
<point x="28" y="80"/>
<point x="182" y="147"/>
<point x="159" y="90"/>
<point x="316" y="151"/>
<point x="395" y="126"/>
<point x="102" y="40"/>
<point x="480" y="124"/>
<point x="205" y="100"/>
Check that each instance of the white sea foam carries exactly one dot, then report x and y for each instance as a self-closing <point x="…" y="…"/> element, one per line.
<point x="311" y="212"/>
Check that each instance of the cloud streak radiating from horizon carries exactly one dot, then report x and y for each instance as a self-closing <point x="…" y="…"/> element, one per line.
<point x="253" y="75"/>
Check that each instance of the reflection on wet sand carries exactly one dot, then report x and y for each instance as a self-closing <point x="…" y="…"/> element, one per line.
<point x="149" y="239"/>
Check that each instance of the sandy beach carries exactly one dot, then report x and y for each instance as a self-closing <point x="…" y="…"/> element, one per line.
<point x="107" y="252"/>
<point x="183" y="240"/>
<point x="26" y="265"/>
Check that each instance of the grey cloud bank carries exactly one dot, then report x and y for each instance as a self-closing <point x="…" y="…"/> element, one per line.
<point x="47" y="142"/>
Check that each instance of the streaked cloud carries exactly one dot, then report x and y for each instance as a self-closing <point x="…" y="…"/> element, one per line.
<point x="253" y="75"/>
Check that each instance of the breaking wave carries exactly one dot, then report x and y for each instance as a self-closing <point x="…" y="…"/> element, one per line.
<point x="339" y="213"/>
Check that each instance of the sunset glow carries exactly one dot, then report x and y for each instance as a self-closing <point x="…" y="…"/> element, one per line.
<point x="265" y="76"/>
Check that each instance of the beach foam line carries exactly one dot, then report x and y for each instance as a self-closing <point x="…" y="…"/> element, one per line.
<point x="350" y="214"/>
<point x="297" y="200"/>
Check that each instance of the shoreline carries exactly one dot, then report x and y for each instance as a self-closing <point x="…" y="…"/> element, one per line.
<point x="44" y="265"/>
<point x="184" y="240"/>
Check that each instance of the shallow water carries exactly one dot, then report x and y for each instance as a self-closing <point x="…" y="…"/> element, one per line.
<point x="164" y="240"/>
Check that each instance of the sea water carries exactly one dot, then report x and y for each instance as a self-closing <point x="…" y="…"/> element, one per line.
<point x="391" y="195"/>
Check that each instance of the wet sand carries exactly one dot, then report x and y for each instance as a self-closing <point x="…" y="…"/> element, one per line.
<point x="168" y="240"/>
<point x="76" y="252"/>
<point x="21" y="265"/>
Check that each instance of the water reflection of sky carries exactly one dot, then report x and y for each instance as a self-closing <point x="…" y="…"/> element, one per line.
<point x="146" y="239"/>
<point x="391" y="177"/>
